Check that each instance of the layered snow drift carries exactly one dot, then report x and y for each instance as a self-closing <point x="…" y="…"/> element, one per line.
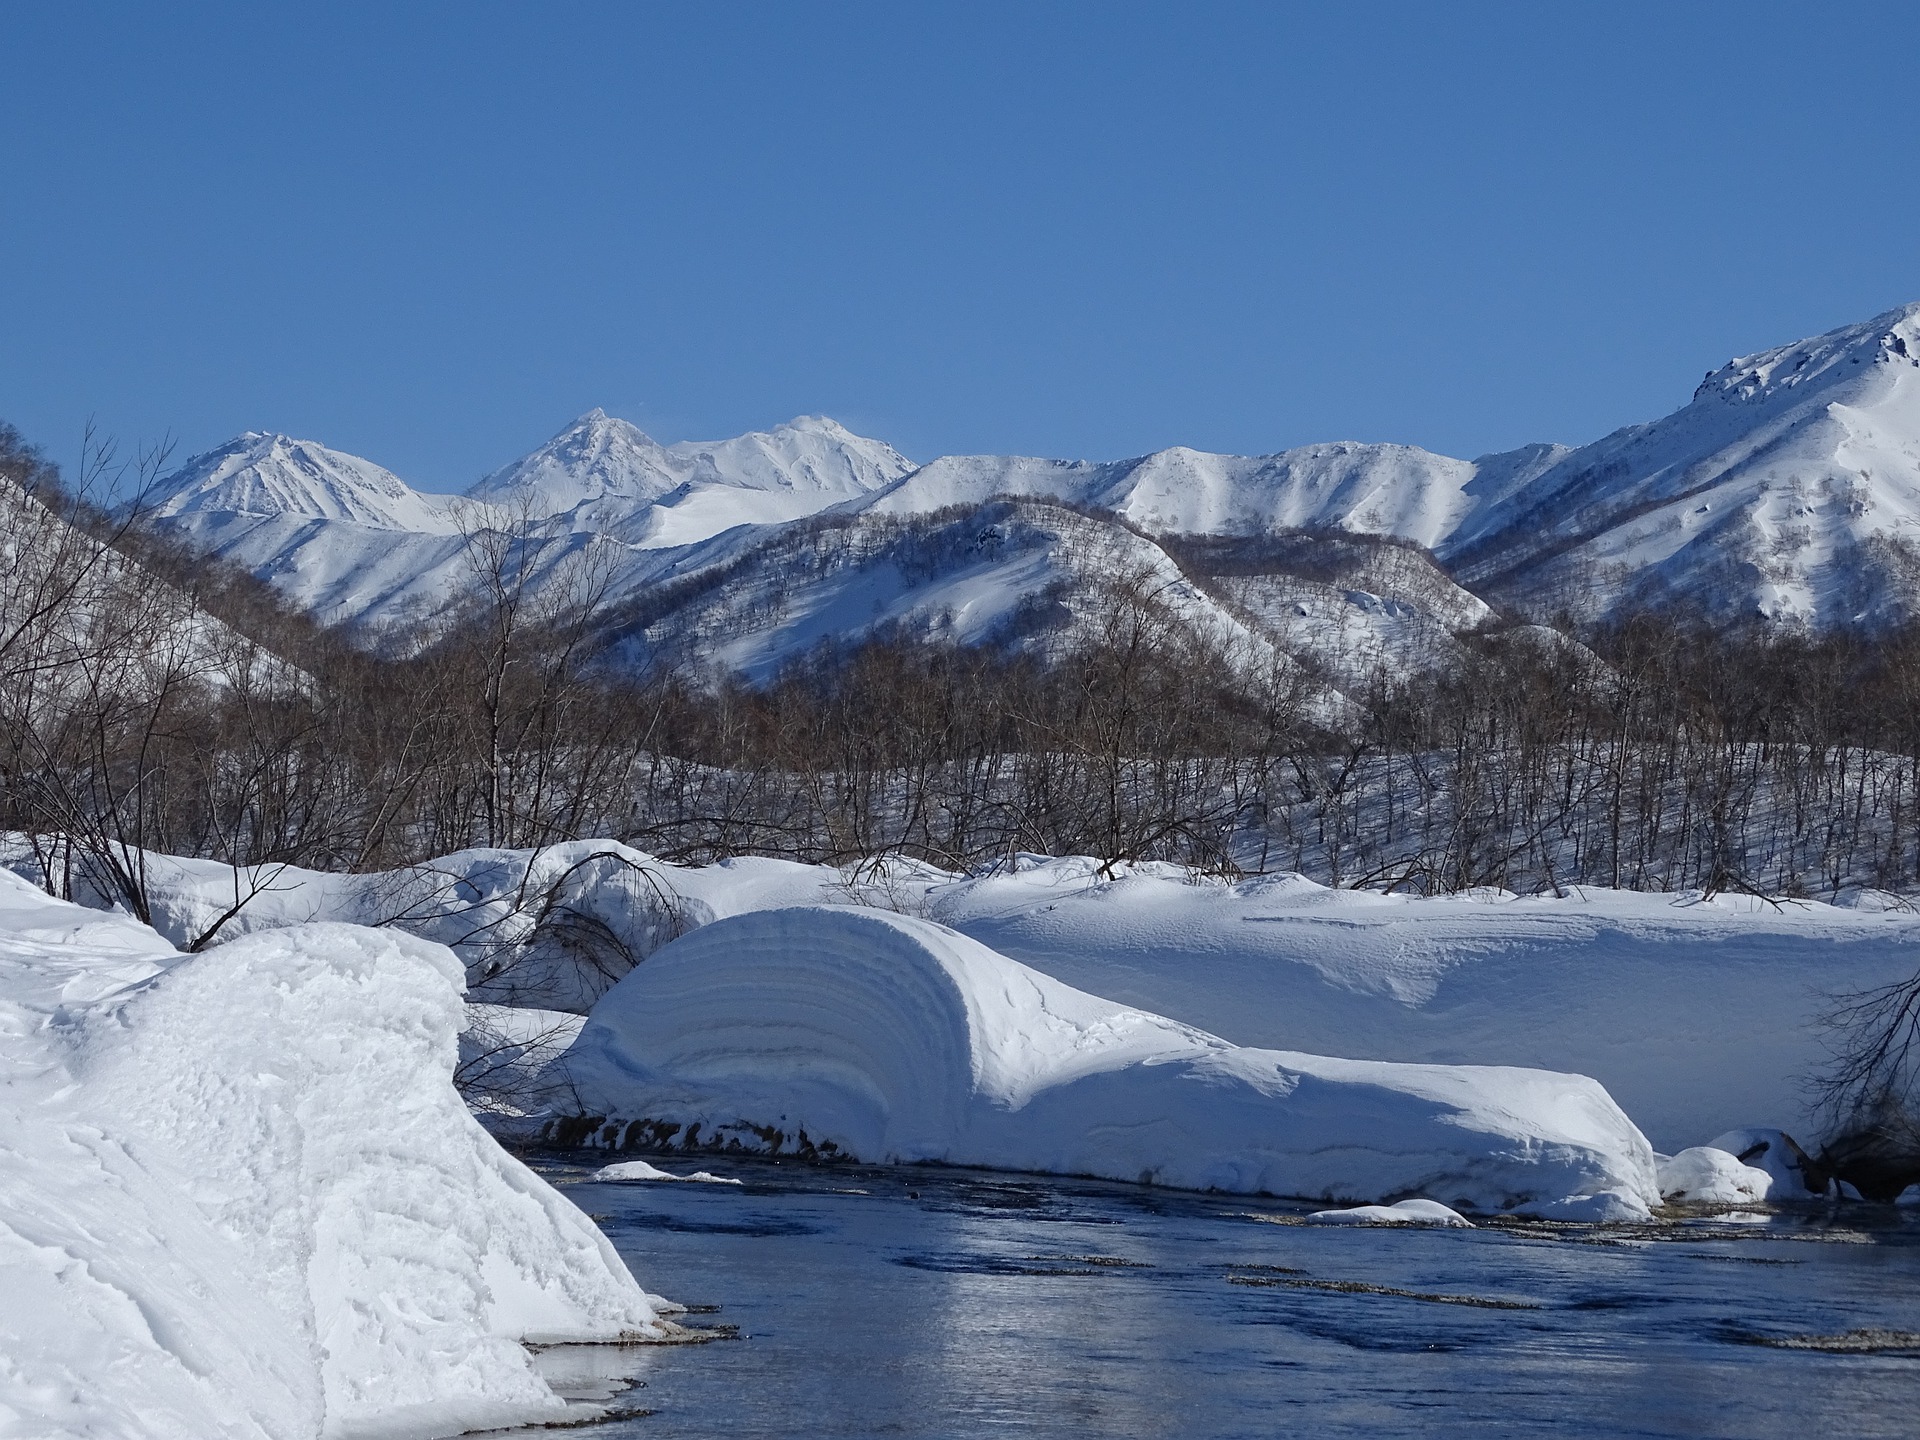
<point x="239" y="1197"/>
<point x="1698" y="1014"/>
<point x="893" y="1039"/>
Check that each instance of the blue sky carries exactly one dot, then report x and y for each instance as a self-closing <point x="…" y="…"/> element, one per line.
<point x="431" y="234"/>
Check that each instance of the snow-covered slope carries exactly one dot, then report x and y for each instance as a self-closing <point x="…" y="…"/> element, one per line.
<point x="605" y="475"/>
<point x="1349" y="605"/>
<point x="1021" y="573"/>
<point x="352" y="544"/>
<point x="885" y="1038"/>
<point x="239" y="1197"/>
<point x="263" y="475"/>
<point x="1789" y="489"/>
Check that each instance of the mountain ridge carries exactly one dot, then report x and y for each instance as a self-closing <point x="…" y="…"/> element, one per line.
<point x="1787" y="488"/>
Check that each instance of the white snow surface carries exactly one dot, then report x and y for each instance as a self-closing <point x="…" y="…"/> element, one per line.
<point x="1398" y="490"/>
<point x="1697" y="1014"/>
<point x="239" y="1197"/>
<point x="893" y="1039"/>
<point x="606" y="475"/>
<point x="1404" y="1212"/>
<point x="641" y="1170"/>
<point x="262" y="474"/>
<point x="1028" y="575"/>
<point x="1777" y="1155"/>
<point x="1788" y="488"/>
<point x="1703" y="1175"/>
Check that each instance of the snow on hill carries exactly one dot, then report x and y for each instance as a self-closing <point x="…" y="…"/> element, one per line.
<point x="605" y="475"/>
<point x="1351" y="604"/>
<point x="1016" y="572"/>
<point x="263" y="475"/>
<point x="351" y="543"/>
<point x="1789" y="488"/>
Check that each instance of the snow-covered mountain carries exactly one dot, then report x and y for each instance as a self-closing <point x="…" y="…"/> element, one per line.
<point x="1025" y="574"/>
<point x="1397" y="490"/>
<point x="607" y="476"/>
<point x="353" y="544"/>
<point x="259" y="474"/>
<point x="1789" y="489"/>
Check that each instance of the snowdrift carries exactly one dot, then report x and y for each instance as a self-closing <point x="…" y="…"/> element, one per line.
<point x="239" y="1197"/>
<point x="1696" y="1014"/>
<point x="886" y="1038"/>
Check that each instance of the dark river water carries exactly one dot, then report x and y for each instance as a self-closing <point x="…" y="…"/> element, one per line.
<point x="934" y="1302"/>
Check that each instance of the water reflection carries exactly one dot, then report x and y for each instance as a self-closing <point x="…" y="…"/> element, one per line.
<point x="945" y="1303"/>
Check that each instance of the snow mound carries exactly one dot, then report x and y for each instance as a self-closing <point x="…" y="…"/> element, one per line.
<point x="1404" y="1212"/>
<point x="1703" y="1175"/>
<point x="641" y="1170"/>
<point x="1778" y="1156"/>
<point x="872" y="1035"/>
<point x="239" y="1197"/>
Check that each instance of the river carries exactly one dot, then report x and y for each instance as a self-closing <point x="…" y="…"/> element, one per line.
<point x="926" y="1302"/>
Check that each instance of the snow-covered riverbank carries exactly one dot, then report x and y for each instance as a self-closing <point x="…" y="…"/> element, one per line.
<point x="877" y="1037"/>
<point x="1697" y="1013"/>
<point x="240" y="1188"/>
<point x="240" y="1198"/>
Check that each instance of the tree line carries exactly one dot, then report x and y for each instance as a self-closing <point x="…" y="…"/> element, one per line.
<point x="154" y="699"/>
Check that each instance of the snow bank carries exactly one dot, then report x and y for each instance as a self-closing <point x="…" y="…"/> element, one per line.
<point x="866" y="1034"/>
<point x="239" y="1197"/>
<point x="1703" y="1175"/>
<point x="1698" y="1015"/>
<point x="1791" y="1173"/>
<point x="551" y="928"/>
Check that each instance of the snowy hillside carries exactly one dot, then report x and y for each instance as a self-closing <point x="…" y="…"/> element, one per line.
<point x="1789" y="488"/>
<point x="1350" y="605"/>
<point x="605" y="475"/>
<point x="1020" y="573"/>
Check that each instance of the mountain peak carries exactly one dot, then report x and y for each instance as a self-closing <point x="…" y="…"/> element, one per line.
<point x="265" y="473"/>
<point x="1818" y="361"/>
<point x="605" y="472"/>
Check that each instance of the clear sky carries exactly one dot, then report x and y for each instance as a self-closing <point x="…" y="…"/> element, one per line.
<point x="432" y="234"/>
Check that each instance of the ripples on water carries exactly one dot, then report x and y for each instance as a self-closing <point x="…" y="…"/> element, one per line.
<point x="947" y="1303"/>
